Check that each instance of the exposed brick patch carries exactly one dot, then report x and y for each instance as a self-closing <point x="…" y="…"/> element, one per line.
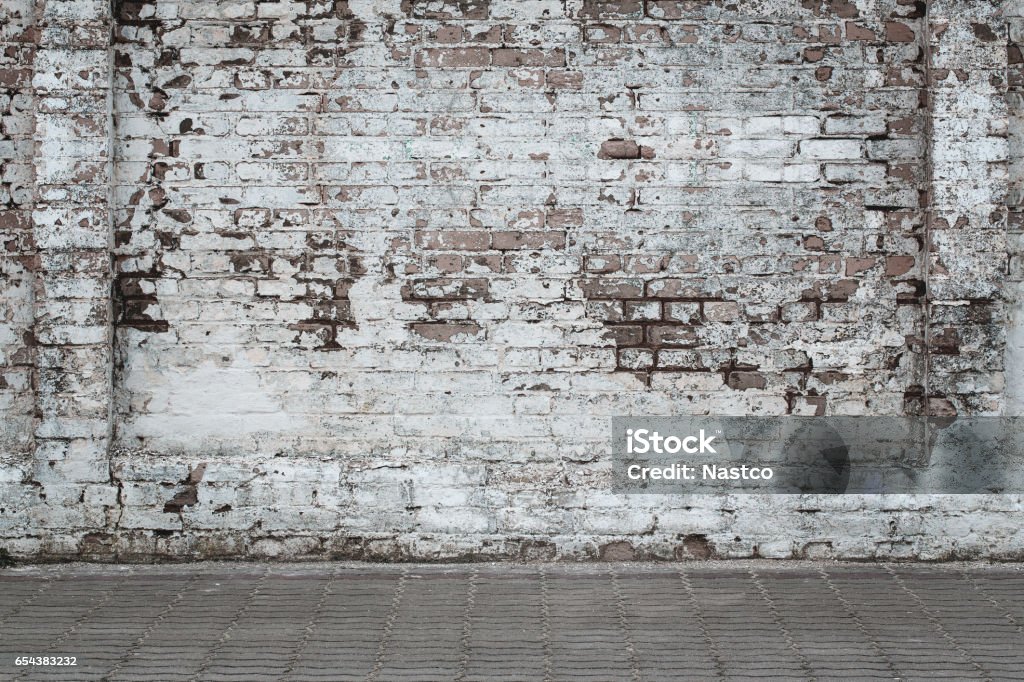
<point x="619" y="149"/>
<point x="697" y="546"/>
<point x="137" y="304"/>
<point x="188" y="495"/>
<point x="617" y="551"/>
<point x="446" y="331"/>
<point x="899" y="32"/>
<point x="327" y="281"/>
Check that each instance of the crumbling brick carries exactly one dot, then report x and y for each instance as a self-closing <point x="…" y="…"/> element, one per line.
<point x="395" y="262"/>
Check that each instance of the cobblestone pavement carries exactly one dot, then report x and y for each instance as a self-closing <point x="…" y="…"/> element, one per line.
<point x="736" y="620"/>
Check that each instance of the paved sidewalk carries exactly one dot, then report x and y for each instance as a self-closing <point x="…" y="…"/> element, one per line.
<point x="735" y="620"/>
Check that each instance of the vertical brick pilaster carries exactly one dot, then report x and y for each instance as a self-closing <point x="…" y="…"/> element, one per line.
<point x="18" y="38"/>
<point x="967" y="235"/>
<point x="71" y="224"/>
<point x="1014" y="12"/>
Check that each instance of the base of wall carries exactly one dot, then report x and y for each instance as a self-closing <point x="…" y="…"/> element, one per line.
<point x="157" y="508"/>
<point x="142" y="546"/>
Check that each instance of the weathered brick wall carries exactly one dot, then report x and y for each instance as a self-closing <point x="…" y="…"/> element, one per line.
<point x="1014" y="292"/>
<point x="57" y="344"/>
<point x="17" y="105"/>
<point x="966" y="204"/>
<point x="383" y="270"/>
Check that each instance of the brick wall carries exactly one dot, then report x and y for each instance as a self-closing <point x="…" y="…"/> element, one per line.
<point x="1014" y="288"/>
<point x="18" y="39"/>
<point x="57" y="334"/>
<point x="381" y="272"/>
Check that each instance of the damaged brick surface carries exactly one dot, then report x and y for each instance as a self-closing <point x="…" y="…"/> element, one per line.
<point x="388" y="268"/>
<point x="18" y="261"/>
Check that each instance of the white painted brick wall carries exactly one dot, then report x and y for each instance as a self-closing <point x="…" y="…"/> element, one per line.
<point x="384" y="271"/>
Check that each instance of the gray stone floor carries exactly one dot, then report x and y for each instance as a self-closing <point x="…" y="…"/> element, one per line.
<point x="735" y="620"/>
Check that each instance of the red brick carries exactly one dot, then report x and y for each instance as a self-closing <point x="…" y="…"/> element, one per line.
<point x="507" y="241"/>
<point x="612" y="9"/>
<point x="15" y="78"/>
<point x="447" y="331"/>
<point x="742" y="381"/>
<point x="564" y="80"/>
<point x="624" y="334"/>
<point x="857" y="265"/>
<point x="565" y="217"/>
<point x="460" y="57"/>
<point x="528" y="57"/>
<point x="898" y="32"/>
<point x="856" y="32"/>
<point x="602" y="34"/>
<point x="899" y="265"/>
<point x="619" y="149"/>
<point x="612" y="288"/>
<point x="674" y="335"/>
<point x="447" y="34"/>
<point x="454" y="240"/>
